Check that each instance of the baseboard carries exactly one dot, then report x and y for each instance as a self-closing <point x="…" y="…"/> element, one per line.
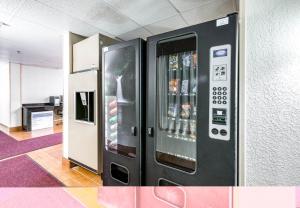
<point x="3" y="126"/>
<point x="15" y="129"/>
<point x="84" y="166"/>
<point x="58" y="122"/>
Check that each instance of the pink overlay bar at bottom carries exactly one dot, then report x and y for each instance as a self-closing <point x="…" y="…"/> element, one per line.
<point x="37" y="197"/>
<point x="298" y="197"/>
<point x="166" y="197"/>
<point x="157" y="197"/>
<point x="198" y="197"/>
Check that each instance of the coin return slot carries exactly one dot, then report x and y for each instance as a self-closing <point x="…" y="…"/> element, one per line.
<point x="163" y="182"/>
<point x="119" y="173"/>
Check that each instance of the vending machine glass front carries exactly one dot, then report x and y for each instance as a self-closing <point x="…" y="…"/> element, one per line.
<point x="177" y="102"/>
<point x="120" y="105"/>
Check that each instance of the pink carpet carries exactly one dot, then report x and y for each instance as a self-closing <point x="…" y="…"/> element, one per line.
<point x="22" y="171"/>
<point x="10" y="147"/>
<point x="36" y="198"/>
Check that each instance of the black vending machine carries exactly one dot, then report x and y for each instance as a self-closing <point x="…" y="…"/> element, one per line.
<point x="123" y="87"/>
<point x="192" y="105"/>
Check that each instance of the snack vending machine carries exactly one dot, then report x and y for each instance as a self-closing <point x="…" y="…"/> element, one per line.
<point x="123" y="121"/>
<point x="192" y="105"/>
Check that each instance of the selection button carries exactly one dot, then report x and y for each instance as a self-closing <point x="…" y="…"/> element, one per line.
<point x="214" y="131"/>
<point x="223" y="132"/>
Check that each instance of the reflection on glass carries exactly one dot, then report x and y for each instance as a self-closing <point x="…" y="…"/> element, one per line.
<point x="177" y="94"/>
<point x="120" y="113"/>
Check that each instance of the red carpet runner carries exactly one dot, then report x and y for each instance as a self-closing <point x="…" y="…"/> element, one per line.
<point x="22" y="171"/>
<point x="10" y="147"/>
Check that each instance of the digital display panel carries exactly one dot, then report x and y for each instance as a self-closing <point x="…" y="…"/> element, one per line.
<point x="219" y="116"/>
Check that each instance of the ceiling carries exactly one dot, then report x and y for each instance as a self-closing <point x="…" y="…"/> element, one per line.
<point x="36" y="26"/>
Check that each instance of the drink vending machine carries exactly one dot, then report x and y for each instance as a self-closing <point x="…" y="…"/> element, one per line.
<point x="123" y="107"/>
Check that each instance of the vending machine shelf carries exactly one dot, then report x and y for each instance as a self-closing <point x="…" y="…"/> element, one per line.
<point x="184" y="138"/>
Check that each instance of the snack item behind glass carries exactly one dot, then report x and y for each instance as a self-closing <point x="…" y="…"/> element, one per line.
<point x="193" y="130"/>
<point x="113" y="102"/>
<point x="194" y="62"/>
<point x="173" y="110"/>
<point x="171" y="128"/>
<point x="185" y="87"/>
<point x="194" y="111"/>
<point x="113" y="111"/>
<point x="194" y="86"/>
<point x="186" y="60"/>
<point x="185" y="128"/>
<point x="185" y="111"/>
<point x="173" y="62"/>
<point x="178" y="127"/>
<point x="174" y="85"/>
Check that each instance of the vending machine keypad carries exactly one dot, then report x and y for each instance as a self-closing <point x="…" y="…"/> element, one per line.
<point x="219" y="95"/>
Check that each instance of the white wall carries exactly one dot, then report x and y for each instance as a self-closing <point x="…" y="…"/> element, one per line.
<point x="4" y="94"/>
<point x="30" y="84"/>
<point x="15" y="95"/>
<point x="272" y="92"/>
<point x="39" y="83"/>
